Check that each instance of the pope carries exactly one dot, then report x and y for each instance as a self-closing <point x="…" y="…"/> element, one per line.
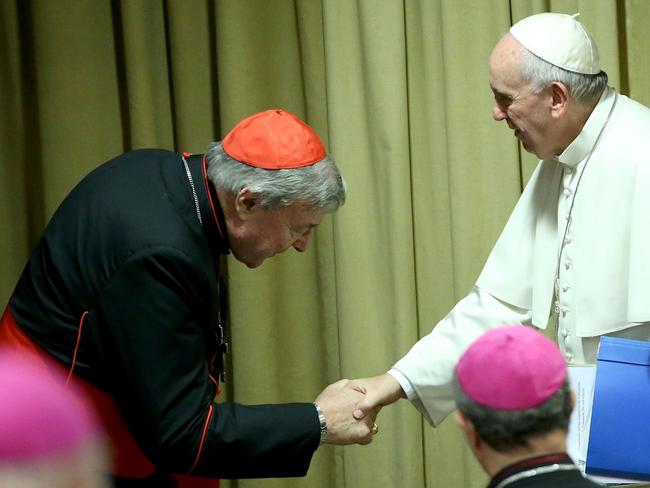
<point x="575" y="244"/>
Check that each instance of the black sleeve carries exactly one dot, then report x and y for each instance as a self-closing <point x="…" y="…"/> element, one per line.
<point x="148" y="331"/>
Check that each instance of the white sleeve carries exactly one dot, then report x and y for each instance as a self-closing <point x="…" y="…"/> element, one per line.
<point x="428" y="366"/>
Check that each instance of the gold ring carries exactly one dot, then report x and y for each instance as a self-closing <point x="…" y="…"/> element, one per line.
<point x="375" y="429"/>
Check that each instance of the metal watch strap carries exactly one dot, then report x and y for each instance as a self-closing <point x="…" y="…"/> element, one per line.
<point x="323" y="424"/>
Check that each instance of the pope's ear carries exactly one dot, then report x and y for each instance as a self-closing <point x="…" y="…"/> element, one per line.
<point x="559" y="98"/>
<point x="246" y="203"/>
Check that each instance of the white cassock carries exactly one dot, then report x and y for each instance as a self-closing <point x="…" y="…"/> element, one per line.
<point x="603" y="270"/>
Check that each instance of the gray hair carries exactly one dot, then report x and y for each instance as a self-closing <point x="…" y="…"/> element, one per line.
<point x="317" y="186"/>
<point x="505" y="430"/>
<point x="584" y="88"/>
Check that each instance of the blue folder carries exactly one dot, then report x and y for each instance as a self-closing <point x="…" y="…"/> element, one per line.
<point x="619" y="435"/>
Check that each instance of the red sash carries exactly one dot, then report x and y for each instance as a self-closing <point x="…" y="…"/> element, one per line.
<point x="127" y="459"/>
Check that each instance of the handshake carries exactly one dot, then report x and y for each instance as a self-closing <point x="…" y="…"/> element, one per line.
<point x="350" y="407"/>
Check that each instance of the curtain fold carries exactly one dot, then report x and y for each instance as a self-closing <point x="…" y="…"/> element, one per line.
<point x="398" y="90"/>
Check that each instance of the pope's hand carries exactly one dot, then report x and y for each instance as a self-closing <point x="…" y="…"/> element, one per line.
<point x="337" y="402"/>
<point x="378" y="391"/>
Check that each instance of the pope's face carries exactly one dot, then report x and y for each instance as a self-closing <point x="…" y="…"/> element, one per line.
<point x="264" y="233"/>
<point x="527" y="113"/>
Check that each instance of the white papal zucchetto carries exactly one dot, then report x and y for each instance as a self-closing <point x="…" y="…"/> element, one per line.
<point x="559" y="39"/>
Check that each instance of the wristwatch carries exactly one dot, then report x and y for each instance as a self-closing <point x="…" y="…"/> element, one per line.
<point x="323" y="424"/>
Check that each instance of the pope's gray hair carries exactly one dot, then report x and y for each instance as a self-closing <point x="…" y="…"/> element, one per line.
<point x="584" y="88"/>
<point x="505" y="430"/>
<point x="319" y="185"/>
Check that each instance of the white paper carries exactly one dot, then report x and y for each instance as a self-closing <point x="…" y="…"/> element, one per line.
<point x="582" y="380"/>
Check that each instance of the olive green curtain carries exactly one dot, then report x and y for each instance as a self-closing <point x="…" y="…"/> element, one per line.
<point x="397" y="89"/>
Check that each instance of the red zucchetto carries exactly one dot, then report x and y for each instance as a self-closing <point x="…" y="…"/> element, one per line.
<point x="274" y="139"/>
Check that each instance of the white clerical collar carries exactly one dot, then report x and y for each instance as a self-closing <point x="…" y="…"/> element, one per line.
<point x="581" y="146"/>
